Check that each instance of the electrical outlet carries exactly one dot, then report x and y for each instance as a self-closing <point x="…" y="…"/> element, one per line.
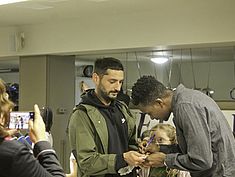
<point x="61" y="110"/>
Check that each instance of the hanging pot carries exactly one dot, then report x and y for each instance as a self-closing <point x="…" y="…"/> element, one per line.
<point x="232" y="93"/>
<point x="208" y="91"/>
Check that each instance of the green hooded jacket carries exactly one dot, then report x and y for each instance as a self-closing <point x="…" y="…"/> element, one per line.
<point x="88" y="137"/>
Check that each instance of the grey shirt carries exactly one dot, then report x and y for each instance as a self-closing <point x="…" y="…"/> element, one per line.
<point x="204" y="136"/>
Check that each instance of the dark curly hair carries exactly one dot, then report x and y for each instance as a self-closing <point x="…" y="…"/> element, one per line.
<point x="146" y="90"/>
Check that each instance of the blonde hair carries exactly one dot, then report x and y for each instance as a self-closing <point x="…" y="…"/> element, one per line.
<point x="5" y="106"/>
<point x="171" y="133"/>
<point x="169" y="129"/>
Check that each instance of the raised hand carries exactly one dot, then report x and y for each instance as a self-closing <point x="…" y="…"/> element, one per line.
<point x="37" y="131"/>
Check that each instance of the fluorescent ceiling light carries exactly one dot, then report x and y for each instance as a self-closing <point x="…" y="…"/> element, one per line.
<point x="2" y="2"/>
<point x="159" y="60"/>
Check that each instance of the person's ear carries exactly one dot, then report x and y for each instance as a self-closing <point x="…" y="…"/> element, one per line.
<point x="95" y="78"/>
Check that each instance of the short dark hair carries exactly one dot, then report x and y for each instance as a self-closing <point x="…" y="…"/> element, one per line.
<point x="146" y="90"/>
<point x="102" y="65"/>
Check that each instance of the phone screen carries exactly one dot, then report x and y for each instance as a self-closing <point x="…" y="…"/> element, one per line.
<point x="19" y="120"/>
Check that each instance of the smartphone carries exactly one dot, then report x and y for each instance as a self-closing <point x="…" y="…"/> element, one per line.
<point x="19" y="120"/>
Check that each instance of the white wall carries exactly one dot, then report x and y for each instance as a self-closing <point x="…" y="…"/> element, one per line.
<point x="7" y="41"/>
<point x="169" y="23"/>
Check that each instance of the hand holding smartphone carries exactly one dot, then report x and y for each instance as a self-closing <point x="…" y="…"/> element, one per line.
<point x="37" y="130"/>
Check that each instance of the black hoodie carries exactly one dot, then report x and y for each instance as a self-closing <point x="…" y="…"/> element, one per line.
<point x="116" y="125"/>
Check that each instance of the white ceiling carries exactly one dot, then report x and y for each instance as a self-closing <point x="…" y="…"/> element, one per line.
<point x="43" y="11"/>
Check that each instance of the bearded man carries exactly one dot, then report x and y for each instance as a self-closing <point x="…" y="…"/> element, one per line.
<point x="101" y="128"/>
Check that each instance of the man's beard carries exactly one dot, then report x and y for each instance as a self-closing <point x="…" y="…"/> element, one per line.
<point x="106" y="96"/>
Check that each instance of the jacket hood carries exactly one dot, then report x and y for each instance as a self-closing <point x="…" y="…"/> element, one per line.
<point x="90" y="98"/>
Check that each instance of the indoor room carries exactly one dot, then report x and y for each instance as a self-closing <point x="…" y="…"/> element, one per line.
<point x="48" y="49"/>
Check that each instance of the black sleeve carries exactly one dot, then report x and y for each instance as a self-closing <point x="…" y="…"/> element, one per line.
<point x="45" y="164"/>
<point x="120" y="162"/>
<point x="168" y="149"/>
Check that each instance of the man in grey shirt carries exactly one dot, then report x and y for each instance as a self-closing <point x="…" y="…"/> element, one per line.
<point x="205" y="139"/>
